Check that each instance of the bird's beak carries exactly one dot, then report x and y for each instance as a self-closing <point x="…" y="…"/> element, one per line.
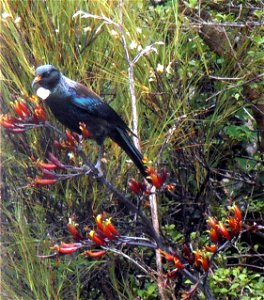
<point x="36" y="80"/>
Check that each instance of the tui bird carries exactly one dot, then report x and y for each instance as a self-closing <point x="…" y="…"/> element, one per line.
<point x="72" y="103"/>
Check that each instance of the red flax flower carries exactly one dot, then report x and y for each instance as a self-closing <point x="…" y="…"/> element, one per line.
<point x="11" y="124"/>
<point x="111" y="227"/>
<point x="136" y="186"/>
<point x="237" y="212"/>
<point x="70" y="137"/>
<point x="46" y="166"/>
<point x="187" y="254"/>
<point x="53" y="164"/>
<point x="85" y="132"/>
<point x="105" y="227"/>
<point x="70" y="142"/>
<point x="99" y="220"/>
<point x="8" y="122"/>
<point x="201" y="260"/>
<point x="39" y="114"/>
<point x="96" y="238"/>
<point x="43" y="181"/>
<point x="212" y="248"/>
<point x="167" y="256"/>
<point x="235" y="225"/>
<point x="65" y="248"/>
<point x="205" y="263"/>
<point x="213" y="232"/>
<point x="178" y="263"/>
<point x="55" y="161"/>
<point x="172" y="258"/>
<point x="223" y="231"/>
<point x="212" y="222"/>
<point x="22" y="110"/>
<point x="72" y="228"/>
<point x="170" y="187"/>
<point x="94" y="254"/>
<point x="213" y="235"/>
<point x="157" y="179"/>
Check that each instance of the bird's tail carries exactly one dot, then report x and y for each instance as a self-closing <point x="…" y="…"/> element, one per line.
<point x="122" y="138"/>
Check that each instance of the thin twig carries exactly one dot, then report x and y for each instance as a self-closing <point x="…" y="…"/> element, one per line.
<point x="235" y="86"/>
<point x="244" y="256"/>
<point x="226" y="78"/>
<point x="226" y="24"/>
<point x="128" y="258"/>
<point x="246" y="265"/>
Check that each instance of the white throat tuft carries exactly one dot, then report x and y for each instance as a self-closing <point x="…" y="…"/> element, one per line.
<point x="43" y="93"/>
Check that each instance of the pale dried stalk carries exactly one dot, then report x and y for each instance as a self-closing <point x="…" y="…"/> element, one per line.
<point x="152" y="197"/>
<point x="156" y="226"/>
<point x="130" y="63"/>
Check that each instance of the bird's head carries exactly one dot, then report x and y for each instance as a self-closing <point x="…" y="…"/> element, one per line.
<point x="47" y="78"/>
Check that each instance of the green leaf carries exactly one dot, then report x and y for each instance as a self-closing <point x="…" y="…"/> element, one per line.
<point x="223" y="290"/>
<point x="240" y="133"/>
<point x="151" y="289"/>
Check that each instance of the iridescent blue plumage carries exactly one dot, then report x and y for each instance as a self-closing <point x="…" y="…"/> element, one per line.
<point x="72" y="103"/>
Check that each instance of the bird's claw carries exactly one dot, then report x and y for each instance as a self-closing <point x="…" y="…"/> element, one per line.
<point x="87" y="170"/>
<point x="99" y="169"/>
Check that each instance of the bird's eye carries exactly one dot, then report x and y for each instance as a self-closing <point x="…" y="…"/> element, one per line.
<point x="46" y="74"/>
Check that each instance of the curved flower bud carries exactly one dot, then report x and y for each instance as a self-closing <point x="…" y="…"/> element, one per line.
<point x="94" y="254"/>
<point x="235" y="225"/>
<point x="212" y="248"/>
<point x="167" y="256"/>
<point x="85" y="132"/>
<point x="56" y="161"/>
<point x="237" y="212"/>
<point x="213" y="235"/>
<point x="136" y="186"/>
<point x="111" y="227"/>
<point x="47" y="166"/>
<point x="65" y="248"/>
<point x="178" y="263"/>
<point x="157" y="179"/>
<point x="72" y="228"/>
<point x="223" y="231"/>
<point x="96" y="238"/>
<point x="8" y="122"/>
<point x="204" y="260"/>
<point x="43" y="181"/>
<point x="39" y="114"/>
<point x="212" y="222"/>
<point x="21" y="109"/>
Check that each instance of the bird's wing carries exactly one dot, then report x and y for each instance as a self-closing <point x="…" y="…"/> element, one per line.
<point x="92" y="103"/>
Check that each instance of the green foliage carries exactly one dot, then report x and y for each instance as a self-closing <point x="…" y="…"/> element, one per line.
<point x="173" y="233"/>
<point x="241" y="133"/>
<point x="237" y="283"/>
<point x="150" y="291"/>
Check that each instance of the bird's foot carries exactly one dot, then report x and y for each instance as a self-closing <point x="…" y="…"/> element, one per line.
<point x="87" y="170"/>
<point x="98" y="166"/>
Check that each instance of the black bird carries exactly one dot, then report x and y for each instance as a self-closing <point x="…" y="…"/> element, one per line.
<point x="72" y="103"/>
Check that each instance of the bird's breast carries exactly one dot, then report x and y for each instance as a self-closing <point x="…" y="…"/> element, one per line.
<point x="71" y="116"/>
